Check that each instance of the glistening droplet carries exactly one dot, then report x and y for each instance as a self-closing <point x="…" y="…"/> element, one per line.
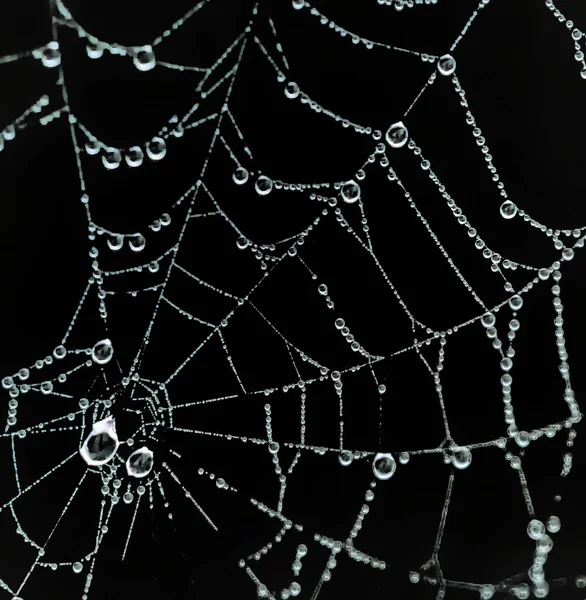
<point x="102" y="352"/>
<point x="140" y="462"/>
<point x="101" y="444"/>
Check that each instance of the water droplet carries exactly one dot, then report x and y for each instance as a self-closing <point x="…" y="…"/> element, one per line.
<point x="128" y="498"/>
<point x="111" y="158"/>
<point x="23" y="374"/>
<point x="446" y="65"/>
<point x="140" y="462"/>
<point x="116" y="242"/>
<point x="397" y="135"/>
<point x="101" y="444"/>
<point x="137" y="243"/>
<point x="461" y="457"/>
<point x="60" y="352"/>
<point x="553" y="524"/>
<point x="240" y="176"/>
<point x="156" y="148"/>
<point x="144" y="58"/>
<point x="488" y="320"/>
<point x="263" y="185"/>
<point x="383" y="466"/>
<point x="242" y="243"/>
<point x="535" y="529"/>
<point x="92" y="146"/>
<point x="580" y="581"/>
<point x="404" y="458"/>
<point x="508" y="209"/>
<point x="84" y="403"/>
<point x="291" y="90"/>
<point x="274" y="447"/>
<point x="77" y="567"/>
<point x="322" y="288"/>
<point x="9" y="132"/>
<point x="345" y="458"/>
<point x="102" y="352"/>
<point x="95" y="49"/>
<point x="515" y="302"/>
<point x="414" y="577"/>
<point x="46" y="387"/>
<point x="350" y="192"/>
<point x="134" y="156"/>
<point x="50" y="55"/>
<point x="298" y="4"/>
<point x="522" y="438"/>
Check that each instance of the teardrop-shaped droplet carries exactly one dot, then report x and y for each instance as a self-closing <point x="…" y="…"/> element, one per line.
<point x="350" y="192"/>
<point x="140" y="462"/>
<point x="397" y="135"/>
<point x="144" y="58"/>
<point x="384" y="465"/>
<point x="240" y="176"/>
<point x="153" y="267"/>
<point x="50" y="55"/>
<point x="291" y="90"/>
<point x="461" y="457"/>
<point x="263" y="185"/>
<point x="102" y="352"/>
<point x="101" y="444"/>
<point x="111" y="158"/>
<point x="137" y="243"/>
<point x="508" y="209"/>
<point x="156" y="148"/>
<point x="134" y="156"/>
<point x="116" y="242"/>
<point x="446" y="65"/>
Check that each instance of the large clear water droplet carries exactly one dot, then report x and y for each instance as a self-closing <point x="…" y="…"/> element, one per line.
<point x="384" y="466"/>
<point x="446" y="65"/>
<point x="137" y="243"/>
<point x="350" y="192"/>
<point x="508" y="209"/>
<point x="397" y="135"/>
<point x="134" y="156"/>
<point x="461" y="457"/>
<point x="102" y="352"/>
<point x="101" y="444"/>
<point x="240" y="176"/>
<point x="156" y="148"/>
<point x="263" y="185"/>
<point x="144" y="58"/>
<point x="111" y="158"/>
<point x="140" y="462"/>
<point x="535" y="529"/>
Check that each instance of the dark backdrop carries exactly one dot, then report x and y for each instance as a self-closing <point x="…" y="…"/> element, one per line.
<point x="523" y="85"/>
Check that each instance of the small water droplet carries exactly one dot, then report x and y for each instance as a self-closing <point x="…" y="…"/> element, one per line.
<point x="102" y="352"/>
<point x="263" y="185"/>
<point x="111" y="158"/>
<point x="134" y="156"/>
<point x="240" y="176"/>
<point x="144" y="58"/>
<point x="137" y="243"/>
<point x="397" y="135"/>
<point x="156" y="148"/>
<point x="446" y="65"/>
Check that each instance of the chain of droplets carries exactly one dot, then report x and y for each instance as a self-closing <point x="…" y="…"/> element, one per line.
<point x="575" y="33"/>
<point x="356" y="39"/>
<point x="509" y="209"/>
<point x="399" y="5"/>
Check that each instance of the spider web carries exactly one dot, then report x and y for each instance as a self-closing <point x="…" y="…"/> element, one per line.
<point x="317" y="363"/>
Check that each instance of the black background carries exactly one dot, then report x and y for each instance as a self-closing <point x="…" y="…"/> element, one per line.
<point x="524" y="87"/>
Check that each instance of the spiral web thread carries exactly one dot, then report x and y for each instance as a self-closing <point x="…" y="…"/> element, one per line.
<point x="221" y="75"/>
